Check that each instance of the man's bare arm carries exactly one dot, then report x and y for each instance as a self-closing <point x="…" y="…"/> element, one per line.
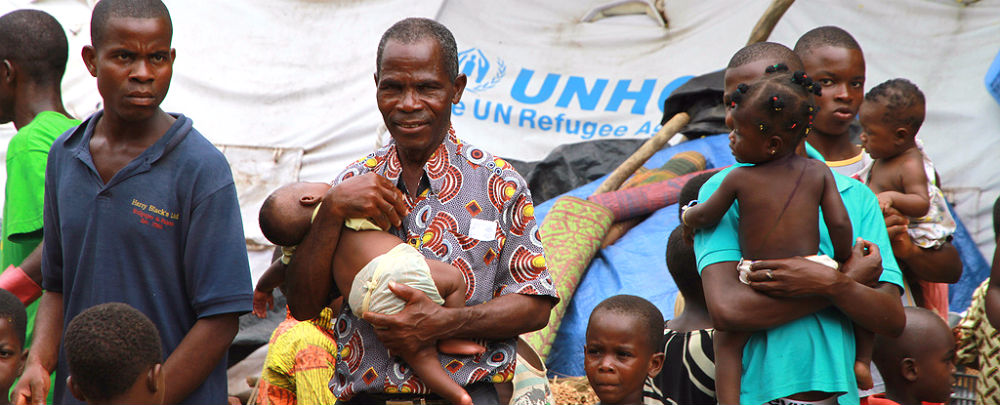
<point x="735" y="306"/>
<point x="422" y="322"/>
<point x="197" y="355"/>
<point x="308" y="277"/>
<point x="781" y="290"/>
<point x="24" y="281"/>
<point x="32" y="265"/>
<point x="941" y="265"/>
<point x="875" y="308"/>
<point x="33" y="387"/>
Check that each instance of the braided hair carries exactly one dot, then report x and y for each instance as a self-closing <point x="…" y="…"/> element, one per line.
<point x="781" y="103"/>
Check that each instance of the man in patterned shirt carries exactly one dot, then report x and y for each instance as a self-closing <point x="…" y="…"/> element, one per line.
<point x="453" y="202"/>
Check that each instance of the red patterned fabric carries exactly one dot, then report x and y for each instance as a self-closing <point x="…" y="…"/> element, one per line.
<point x="633" y="202"/>
<point x="477" y="215"/>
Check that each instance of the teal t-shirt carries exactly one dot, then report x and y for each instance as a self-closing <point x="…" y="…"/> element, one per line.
<point x="815" y="352"/>
<point x="27" y="154"/>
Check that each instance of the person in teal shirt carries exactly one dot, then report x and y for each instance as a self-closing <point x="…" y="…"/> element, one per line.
<point x="804" y="348"/>
<point x="33" y="53"/>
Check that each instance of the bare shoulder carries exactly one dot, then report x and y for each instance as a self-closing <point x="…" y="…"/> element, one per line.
<point x="817" y="168"/>
<point x="739" y="176"/>
<point x="911" y="165"/>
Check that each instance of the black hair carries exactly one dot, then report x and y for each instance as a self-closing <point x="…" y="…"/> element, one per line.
<point x="783" y="101"/>
<point x="683" y="266"/>
<point x="108" y="347"/>
<point x="765" y="50"/>
<point x="12" y="309"/>
<point x="825" y="36"/>
<point x="36" y="42"/>
<point x="271" y="225"/>
<point x="649" y="317"/>
<point x="903" y="100"/>
<point x="689" y="191"/>
<point x="996" y="219"/>
<point x="412" y="30"/>
<point x="106" y="9"/>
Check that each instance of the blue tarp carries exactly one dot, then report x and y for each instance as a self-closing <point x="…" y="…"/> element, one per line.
<point x="636" y="263"/>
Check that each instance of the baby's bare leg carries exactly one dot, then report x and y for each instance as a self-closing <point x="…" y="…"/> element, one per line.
<point x="451" y="285"/>
<point x="728" y="348"/>
<point x="864" y="341"/>
<point x="425" y="364"/>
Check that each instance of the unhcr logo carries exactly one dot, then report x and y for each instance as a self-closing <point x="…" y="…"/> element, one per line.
<point x="482" y="74"/>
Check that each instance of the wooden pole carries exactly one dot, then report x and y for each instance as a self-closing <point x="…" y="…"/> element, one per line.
<point x="651" y="146"/>
<point x="760" y="32"/>
<point x="766" y="24"/>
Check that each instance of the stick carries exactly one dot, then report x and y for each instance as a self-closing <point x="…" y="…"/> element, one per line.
<point x="651" y="146"/>
<point x="766" y="24"/>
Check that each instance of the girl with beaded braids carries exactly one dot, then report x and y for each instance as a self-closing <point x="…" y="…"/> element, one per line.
<point x="780" y="195"/>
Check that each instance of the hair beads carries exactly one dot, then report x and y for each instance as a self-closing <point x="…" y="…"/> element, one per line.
<point x="776" y="103"/>
<point x="777" y="67"/>
<point x="800" y="78"/>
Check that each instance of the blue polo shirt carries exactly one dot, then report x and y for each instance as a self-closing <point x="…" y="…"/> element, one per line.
<point x="815" y="352"/>
<point x="164" y="235"/>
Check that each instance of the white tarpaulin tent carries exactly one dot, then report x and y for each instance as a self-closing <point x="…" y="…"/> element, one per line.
<point x="285" y="88"/>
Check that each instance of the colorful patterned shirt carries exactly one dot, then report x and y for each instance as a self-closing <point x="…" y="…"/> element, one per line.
<point x="476" y="214"/>
<point x="979" y="346"/>
<point x="299" y="363"/>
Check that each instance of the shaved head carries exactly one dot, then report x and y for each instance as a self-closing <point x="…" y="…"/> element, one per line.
<point x="771" y="52"/>
<point x="918" y="365"/>
<point x="106" y="9"/>
<point x="646" y="315"/>
<point x="826" y="36"/>
<point x="36" y="42"/>
<point x="922" y="327"/>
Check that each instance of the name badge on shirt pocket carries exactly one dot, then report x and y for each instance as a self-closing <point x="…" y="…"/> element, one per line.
<point x="482" y="230"/>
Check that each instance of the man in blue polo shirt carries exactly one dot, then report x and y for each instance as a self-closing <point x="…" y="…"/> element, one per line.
<point x="140" y="209"/>
<point x="804" y="349"/>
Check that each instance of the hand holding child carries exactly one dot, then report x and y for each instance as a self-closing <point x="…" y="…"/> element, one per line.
<point x="865" y="263"/>
<point x="897" y="224"/>
<point x="367" y="196"/>
<point x="792" y="277"/>
<point x="416" y="328"/>
<point x="800" y="277"/>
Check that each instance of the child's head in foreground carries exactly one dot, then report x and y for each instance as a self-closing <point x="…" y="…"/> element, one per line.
<point x="771" y="116"/>
<point x="833" y="58"/>
<point x="624" y="346"/>
<point x="114" y="356"/>
<point x="287" y="213"/>
<point x="12" y="331"/>
<point x="918" y="365"/>
<point x="123" y="35"/>
<point x="891" y="116"/>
